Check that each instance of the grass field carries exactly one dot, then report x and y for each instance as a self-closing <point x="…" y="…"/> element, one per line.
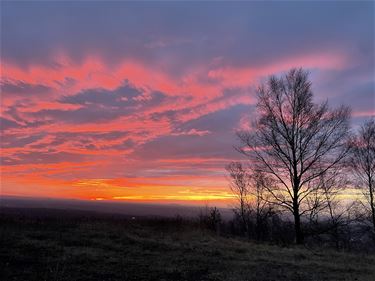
<point x="81" y="247"/>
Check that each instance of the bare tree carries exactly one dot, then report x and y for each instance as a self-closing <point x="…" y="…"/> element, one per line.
<point x="294" y="140"/>
<point x="210" y="218"/>
<point x="239" y="185"/>
<point x="253" y="199"/>
<point x="260" y="201"/>
<point x="329" y="206"/>
<point x="362" y="161"/>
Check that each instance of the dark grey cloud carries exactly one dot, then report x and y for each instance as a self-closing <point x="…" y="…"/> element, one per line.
<point x="66" y="82"/>
<point x="87" y="114"/>
<point x="85" y="139"/>
<point x="172" y="115"/>
<point x="123" y="96"/>
<point x="36" y="157"/>
<point x="12" y="140"/>
<point x="220" y="122"/>
<point x="124" y="145"/>
<point x="6" y="124"/>
<point x="218" y="143"/>
<point x="20" y="88"/>
<point x="101" y="105"/>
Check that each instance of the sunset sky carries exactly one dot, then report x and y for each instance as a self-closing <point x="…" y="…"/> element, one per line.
<point x="141" y="101"/>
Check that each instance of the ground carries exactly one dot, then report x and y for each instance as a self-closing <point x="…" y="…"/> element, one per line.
<point x="80" y="247"/>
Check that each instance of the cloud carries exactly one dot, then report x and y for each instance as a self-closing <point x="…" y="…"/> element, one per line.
<point x="22" y="158"/>
<point x="11" y="141"/>
<point x="6" y="124"/>
<point x="212" y="135"/>
<point x="191" y="132"/>
<point x="123" y="96"/>
<point x="101" y="105"/>
<point x="20" y="88"/>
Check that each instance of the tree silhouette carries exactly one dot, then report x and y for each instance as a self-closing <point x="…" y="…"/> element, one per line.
<point x="240" y="187"/>
<point x="362" y="161"/>
<point x="252" y="207"/>
<point x="294" y="141"/>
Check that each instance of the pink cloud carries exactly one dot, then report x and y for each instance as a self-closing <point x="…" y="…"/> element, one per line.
<point x="205" y="90"/>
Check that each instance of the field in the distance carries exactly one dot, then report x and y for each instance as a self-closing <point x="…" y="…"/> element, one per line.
<point x="67" y="245"/>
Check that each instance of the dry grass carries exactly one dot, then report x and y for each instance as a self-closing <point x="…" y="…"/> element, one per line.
<point x="122" y="249"/>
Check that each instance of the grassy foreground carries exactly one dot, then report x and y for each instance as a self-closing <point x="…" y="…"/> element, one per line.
<point x="106" y="248"/>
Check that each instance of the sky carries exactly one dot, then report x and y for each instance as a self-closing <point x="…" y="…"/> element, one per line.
<point x="141" y="101"/>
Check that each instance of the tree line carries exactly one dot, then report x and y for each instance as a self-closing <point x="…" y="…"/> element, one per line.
<point x="301" y="155"/>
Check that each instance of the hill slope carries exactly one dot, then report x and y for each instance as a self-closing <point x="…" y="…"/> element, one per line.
<point x="119" y="248"/>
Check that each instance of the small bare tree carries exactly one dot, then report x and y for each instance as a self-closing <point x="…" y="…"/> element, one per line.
<point x="251" y="190"/>
<point x="210" y="218"/>
<point x="239" y="185"/>
<point x="363" y="163"/>
<point x="328" y="212"/>
<point x="260" y="203"/>
<point x="294" y="140"/>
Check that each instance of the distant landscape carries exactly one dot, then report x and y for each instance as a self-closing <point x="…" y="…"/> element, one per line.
<point x="110" y="207"/>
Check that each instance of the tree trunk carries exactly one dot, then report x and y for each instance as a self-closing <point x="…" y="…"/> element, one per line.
<point x="297" y="223"/>
<point x="297" y="228"/>
<point x="373" y="214"/>
<point x="372" y="203"/>
<point x="297" y="216"/>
